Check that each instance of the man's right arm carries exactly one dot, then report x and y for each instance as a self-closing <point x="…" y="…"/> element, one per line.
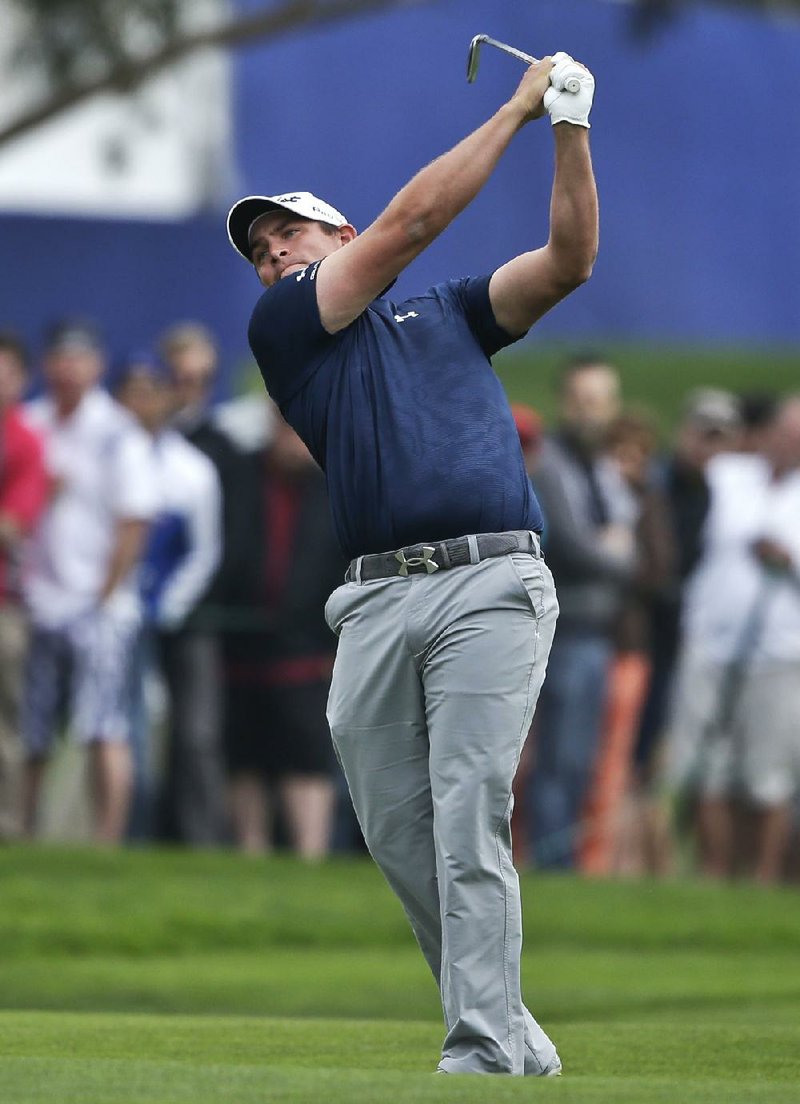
<point x="350" y="278"/>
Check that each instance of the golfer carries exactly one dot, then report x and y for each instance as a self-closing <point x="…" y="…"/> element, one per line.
<point x="447" y="613"/>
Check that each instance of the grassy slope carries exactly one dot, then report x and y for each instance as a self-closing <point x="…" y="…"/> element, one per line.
<point x="272" y="981"/>
<point x="657" y="377"/>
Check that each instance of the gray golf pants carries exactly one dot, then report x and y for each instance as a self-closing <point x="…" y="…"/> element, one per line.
<point x="433" y="692"/>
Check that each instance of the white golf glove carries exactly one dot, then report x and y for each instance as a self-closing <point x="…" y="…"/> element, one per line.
<point x="562" y="105"/>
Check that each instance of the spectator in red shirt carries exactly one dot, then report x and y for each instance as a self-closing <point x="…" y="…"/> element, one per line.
<point x="23" y="490"/>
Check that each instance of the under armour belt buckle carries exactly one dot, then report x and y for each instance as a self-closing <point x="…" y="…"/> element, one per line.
<point x="425" y="560"/>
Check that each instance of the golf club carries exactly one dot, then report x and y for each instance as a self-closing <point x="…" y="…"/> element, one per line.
<point x="571" y="84"/>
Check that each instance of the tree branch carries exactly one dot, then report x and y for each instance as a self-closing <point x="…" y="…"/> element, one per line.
<point x="269" y="23"/>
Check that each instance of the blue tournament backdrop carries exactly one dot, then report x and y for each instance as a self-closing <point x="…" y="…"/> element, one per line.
<point x="696" y="153"/>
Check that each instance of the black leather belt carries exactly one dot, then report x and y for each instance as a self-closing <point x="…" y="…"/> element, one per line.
<point x="422" y="559"/>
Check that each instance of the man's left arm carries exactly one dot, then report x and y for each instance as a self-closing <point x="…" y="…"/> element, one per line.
<point x="525" y="288"/>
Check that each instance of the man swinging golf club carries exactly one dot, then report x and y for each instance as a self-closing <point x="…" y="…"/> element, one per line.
<point x="447" y="613"/>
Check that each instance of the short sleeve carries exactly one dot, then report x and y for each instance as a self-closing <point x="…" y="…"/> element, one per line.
<point x="286" y="334"/>
<point x="472" y="294"/>
<point x="135" y="481"/>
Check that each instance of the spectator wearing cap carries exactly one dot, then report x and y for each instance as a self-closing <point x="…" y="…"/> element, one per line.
<point x="23" y="492"/>
<point x="179" y="561"/>
<point x="735" y="732"/>
<point x="80" y="583"/>
<point x="710" y="423"/>
<point x="530" y="430"/>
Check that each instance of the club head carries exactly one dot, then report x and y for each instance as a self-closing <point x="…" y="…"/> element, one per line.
<point x="474" y="53"/>
<point x="473" y="57"/>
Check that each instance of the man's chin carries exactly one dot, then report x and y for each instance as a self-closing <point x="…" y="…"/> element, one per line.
<point x="293" y="269"/>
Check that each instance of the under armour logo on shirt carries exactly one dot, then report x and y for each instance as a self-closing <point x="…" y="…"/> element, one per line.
<point x="403" y="317"/>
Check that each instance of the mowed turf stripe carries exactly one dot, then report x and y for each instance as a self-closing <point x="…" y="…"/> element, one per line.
<point x="107" y="1081"/>
<point x="246" y="1040"/>
<point x="561" y="985"/>
<point x="147" y="904"/>
<point x="766" y="1051"/>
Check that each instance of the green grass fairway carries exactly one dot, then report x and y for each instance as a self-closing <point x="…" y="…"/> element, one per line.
<point x="162" y="977"/>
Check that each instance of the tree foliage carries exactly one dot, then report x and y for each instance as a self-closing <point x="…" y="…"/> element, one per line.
<point x="72" y="41"/>
<point x="81" y="48"/>
<point x="75" y="49"/>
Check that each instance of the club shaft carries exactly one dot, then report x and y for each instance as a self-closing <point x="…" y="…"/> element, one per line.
<point x="509" y="50"/>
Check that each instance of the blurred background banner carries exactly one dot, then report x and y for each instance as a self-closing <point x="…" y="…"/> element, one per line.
<point x="115" y="208"/>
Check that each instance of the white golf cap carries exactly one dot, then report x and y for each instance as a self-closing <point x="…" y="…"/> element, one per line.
<point x="246" y="211"/>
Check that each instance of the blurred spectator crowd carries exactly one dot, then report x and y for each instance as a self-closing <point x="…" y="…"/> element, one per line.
<point x="164" y="565"/>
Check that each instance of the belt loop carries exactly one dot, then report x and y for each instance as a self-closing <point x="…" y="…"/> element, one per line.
<point x="474" y="555"/>
<point x="359" y="562"/>
<point x="537" y="544"/>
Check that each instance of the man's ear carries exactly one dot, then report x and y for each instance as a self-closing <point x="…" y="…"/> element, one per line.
<point x="347" y="233"/>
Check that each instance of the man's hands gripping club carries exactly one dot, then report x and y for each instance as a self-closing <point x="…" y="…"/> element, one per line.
<point x="527" y="286"/>
<point x="562" y="105"/>
<point x="544" y="88"/>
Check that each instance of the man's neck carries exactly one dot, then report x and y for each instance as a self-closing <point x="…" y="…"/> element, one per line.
<point x="577" y="444"/>
<point x="190" y="417"/>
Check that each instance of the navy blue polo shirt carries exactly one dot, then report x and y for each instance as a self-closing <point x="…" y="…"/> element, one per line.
<point x="401" y="409"/>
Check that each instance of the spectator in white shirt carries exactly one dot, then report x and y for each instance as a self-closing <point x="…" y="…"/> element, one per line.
<point x="736" y="725"/>
<point x="80" y="582"/>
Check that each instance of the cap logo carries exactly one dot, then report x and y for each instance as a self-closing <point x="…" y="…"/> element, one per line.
<point x="305" y="204"/>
